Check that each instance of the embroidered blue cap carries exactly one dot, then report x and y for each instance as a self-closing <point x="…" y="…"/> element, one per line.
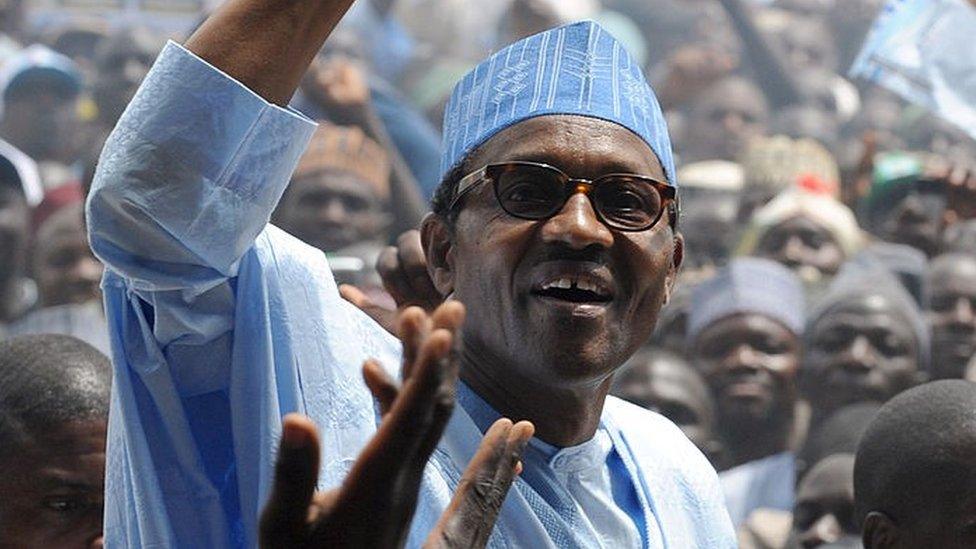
<point x="578" y="69"/>
<point x="748" y="285"/>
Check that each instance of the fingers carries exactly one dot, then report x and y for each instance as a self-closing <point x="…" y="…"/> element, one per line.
<point x="403" y="269"/>
<point x="413" y="264"/>
<point x="384" y="389"/>
<point x="386" y="318"/>
<point x="471" y="515"/>
<point x="413" y="329"/>
<point x="296" y="474"/>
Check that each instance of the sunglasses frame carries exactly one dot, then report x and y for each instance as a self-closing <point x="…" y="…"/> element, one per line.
<point x="490" y="172"/>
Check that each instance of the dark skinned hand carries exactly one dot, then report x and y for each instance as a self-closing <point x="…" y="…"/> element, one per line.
<point x="403" y="269"/>
<point x="339" y="85"/>
<point x="375" y="504"/>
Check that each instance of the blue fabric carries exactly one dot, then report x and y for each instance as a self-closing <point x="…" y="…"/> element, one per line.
<point x="748" y="285"/>
<point x="766" y="483"/>
<point x="576" y="69"/>
<point x="220" y="324"/>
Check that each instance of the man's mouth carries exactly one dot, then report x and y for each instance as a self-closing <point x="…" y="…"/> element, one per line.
<point x="582" y="288"/>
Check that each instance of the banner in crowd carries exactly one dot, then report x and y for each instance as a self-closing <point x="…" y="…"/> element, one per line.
<point x="925" y="51"/>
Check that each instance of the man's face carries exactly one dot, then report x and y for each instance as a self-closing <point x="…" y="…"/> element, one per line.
<point x="13" y="233"/>
<point x="332" y="210"/>
<point x="53" y="489"/>
<point x="750" y="362"/>
<point x="65" y="268"/>
<point x="916" y="220"/>
<point x="43" y="124"/>
<point x="724" y="121"/>
<point x="503" y="268"/>
<point x="952" y="315"/>
<point x="862" y="350"/>
<point x="804" y="246"/>
<point x="824" y="510"/>
<point x="670" y="388"/>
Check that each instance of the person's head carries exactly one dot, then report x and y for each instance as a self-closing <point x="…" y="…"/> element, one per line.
<point x="524" y="18"/>
<point x="40" y="93"/>
<point x="824" y="508"/>
<point x="14" y="229"/>
<point x="774" y="164"/>
<point x="951" y="303"/>
<point x="562" y="282"/>
<point x="709" y="208"/>
<point x="804" y="47"/>
<point x="810" y="233"/>
<point x="340" y="193"/>
<point x="745" y="328"/>
<point x="866" y="341"/>
<point x="54" y="399"/>
<point x="914" y="475"/>
<point x="725" y="118"/>
<point x="665" y="383"/>
<point x="903" y="206"/>
<point x="671" y="330"/>
<point x="122" y="61"/>
<point x="64" y="267"/>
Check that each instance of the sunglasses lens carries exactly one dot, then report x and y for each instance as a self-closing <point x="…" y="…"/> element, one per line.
<point x="530" y="192"/>
<point x="628" y="203"/>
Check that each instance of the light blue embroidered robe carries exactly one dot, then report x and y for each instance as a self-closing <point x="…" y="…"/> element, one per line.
<point x="221" y="324"/>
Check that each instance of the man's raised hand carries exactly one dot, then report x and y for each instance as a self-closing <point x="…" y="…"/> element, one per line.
<point x="375" y="504"/>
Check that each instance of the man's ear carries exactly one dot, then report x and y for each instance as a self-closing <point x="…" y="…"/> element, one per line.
<point x="677" y="258"/>
<point x="437" y="239"/>
<point x="879" y="532"/>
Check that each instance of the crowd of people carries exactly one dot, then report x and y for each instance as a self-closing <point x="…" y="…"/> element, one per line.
<point x="778" y="259"/>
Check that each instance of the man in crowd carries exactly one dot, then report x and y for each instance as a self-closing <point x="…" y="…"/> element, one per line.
<point x="54" y="400"/>
<point x="340" y="192"/>
<point x="865" y="341"/>
<point x="17" y="293"/>
<point x="225" y="323"/>
<point x="951" y="303"/>
<point x="745" y="328"/>
<point x="824" y="511"/>
<point x="667" y="384"/>
<point x="914" y="486"/>
<point x="811" y="233"/>
<point x="40" y="103"/>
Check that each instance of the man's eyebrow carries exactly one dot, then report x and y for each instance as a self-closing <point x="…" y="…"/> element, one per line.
<point x="608" y="165"/>
<point x="53" y="480"/>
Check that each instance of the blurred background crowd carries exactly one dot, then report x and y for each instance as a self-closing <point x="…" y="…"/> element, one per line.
<point x="830" y="225"/>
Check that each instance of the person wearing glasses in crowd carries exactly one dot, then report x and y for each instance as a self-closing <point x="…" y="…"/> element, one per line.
<point x="555" y="225"/>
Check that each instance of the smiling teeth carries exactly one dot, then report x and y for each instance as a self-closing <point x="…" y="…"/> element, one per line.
<point x="568" y="284"/>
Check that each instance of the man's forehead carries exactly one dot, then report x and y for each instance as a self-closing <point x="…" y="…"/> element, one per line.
<point x="571" y="142"/>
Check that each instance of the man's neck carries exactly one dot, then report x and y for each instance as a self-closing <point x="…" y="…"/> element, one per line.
<point x="562" y="416"/>
<point x="763" y="440"/>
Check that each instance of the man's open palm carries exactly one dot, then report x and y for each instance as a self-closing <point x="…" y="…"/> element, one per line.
<point x="376" y="502"/>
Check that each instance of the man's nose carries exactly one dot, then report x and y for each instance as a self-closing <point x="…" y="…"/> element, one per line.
<point x="333" y="211"/>
<point x="860" y="355"/>
<point x="577" y="225"/>
<point x="743" y="358"/>
<point x="963" y="313"/>
<point x="793" y="251"/>
<point x="733" y="122"/>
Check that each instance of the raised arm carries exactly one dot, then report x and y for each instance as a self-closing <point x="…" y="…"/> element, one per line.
<point x="195" y="166"/>
<point x="267" y="44"/>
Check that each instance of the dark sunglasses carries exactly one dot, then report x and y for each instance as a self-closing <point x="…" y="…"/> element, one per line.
<point x="530" y="190"/>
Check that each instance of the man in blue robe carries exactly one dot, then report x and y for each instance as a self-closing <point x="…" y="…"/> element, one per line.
<point x="221" y="324"/>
